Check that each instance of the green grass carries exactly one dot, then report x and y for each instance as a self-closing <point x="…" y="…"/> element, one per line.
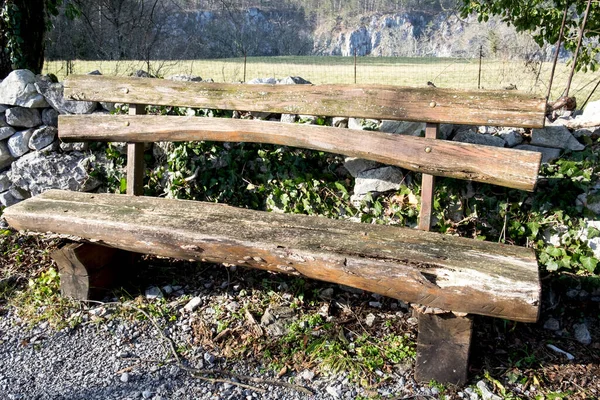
<point x="456" y="73"/>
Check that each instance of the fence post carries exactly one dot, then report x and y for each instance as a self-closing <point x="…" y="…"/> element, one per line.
<point x="480" y="57"/>
<point x="245" y="59"/>
<point x="355" y="66"/>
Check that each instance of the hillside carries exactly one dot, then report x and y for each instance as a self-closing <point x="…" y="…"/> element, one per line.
<point x="147" y="30"/>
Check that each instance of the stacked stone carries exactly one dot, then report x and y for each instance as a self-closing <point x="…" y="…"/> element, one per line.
<point x="31" y="158"/>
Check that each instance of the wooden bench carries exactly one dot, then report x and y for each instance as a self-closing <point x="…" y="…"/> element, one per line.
<point x="439" y="271"/>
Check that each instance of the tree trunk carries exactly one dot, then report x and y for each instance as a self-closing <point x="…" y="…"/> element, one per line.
<point x="28" y="24"/>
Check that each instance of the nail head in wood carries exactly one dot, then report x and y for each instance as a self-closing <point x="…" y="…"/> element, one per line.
<point x="432" y="104"/>
<point x="427" y="149"/>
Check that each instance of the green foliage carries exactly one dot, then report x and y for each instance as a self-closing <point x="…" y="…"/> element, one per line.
<point x="543" y="20"/>
<point x="10" y="23"/>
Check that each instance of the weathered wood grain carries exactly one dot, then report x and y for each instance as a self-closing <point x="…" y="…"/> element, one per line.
<point x="88" y="270"/>
<point x="427" y="185"/>
<point x="477" y="107"/>
<point x="135" y="159"/>
<point x="443" y="346"/>
<point x="506" y="167"/>
<point x="426" y="268"/>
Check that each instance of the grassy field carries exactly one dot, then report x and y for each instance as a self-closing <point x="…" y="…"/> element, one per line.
<point x="444" y="72"/>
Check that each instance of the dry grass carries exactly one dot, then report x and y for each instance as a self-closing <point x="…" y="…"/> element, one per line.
<point x="444" y="72"/>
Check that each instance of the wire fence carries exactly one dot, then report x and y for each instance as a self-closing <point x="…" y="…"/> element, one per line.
<point x="457" y="73"/>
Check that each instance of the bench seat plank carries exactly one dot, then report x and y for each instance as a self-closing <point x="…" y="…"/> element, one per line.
<point x="426" y="268"/>
<point x="435" y="105"/>
<point x="505" y="167"/>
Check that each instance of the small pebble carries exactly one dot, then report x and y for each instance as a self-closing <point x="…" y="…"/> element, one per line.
<point x="124" y="377"/>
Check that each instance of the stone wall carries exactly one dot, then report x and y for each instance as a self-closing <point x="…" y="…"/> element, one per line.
<point x="32" y="159"/>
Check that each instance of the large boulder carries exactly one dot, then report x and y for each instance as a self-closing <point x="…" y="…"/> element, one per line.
<point x="18" y="89"/>
<point x="53" y="92"/>
<point x="558" y="137"/>
<point x="23" y="117"/>
<point x="37" y="172"/>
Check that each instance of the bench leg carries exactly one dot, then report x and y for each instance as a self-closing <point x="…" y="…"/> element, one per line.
<point x="443" y="347"/>
<point x="88" y="270"/>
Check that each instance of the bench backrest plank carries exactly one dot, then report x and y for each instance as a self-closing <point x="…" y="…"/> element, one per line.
<point x="435" y="105"/>
<point x="506" y="167"/>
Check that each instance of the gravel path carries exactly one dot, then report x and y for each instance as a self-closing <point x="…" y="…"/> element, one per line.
<point x="112" y="359"/>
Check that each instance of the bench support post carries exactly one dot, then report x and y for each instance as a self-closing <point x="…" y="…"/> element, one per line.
<point x="88" y="270"/>
<point x="444" y="340"/>
<point x="443" y="348"/>
<point x="135" y="159"/>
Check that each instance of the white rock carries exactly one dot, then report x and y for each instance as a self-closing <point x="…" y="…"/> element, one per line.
<point x="378" y="180"/>
<point x="124" y="377"/>
<point x="293" y="80"/>
<point x="7" y="199"/>
<point x="184" y="77"/>
<point x="552" y="324"/>
<point x="307" y="375"/>
<point x="288" y="118"/>
<point x="334" y="391"/>
<point x="262" y="81"/>
<point x="6" y="158"/>
<point x="592" y="110"/>
<point x="486" y="393"/>
<point x="354" y="123"/>
<point x="37" y="172"/>
<point x="370" y="319"/>
<point x="153" y="292"/>
<point x="18" y="144"/>
<point x="582" y="333"/>
<point x="74" y="146"/>
<point x="18" y="89"/>
<point x="5" y="182"/>
<point x="192" y="304"/>
<point x="53" y="92"/>
<point x="23" y="117"/>
<point x="6" y="132"/>
<point x="339" y="122"/>
<point x="42" y="137"/>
